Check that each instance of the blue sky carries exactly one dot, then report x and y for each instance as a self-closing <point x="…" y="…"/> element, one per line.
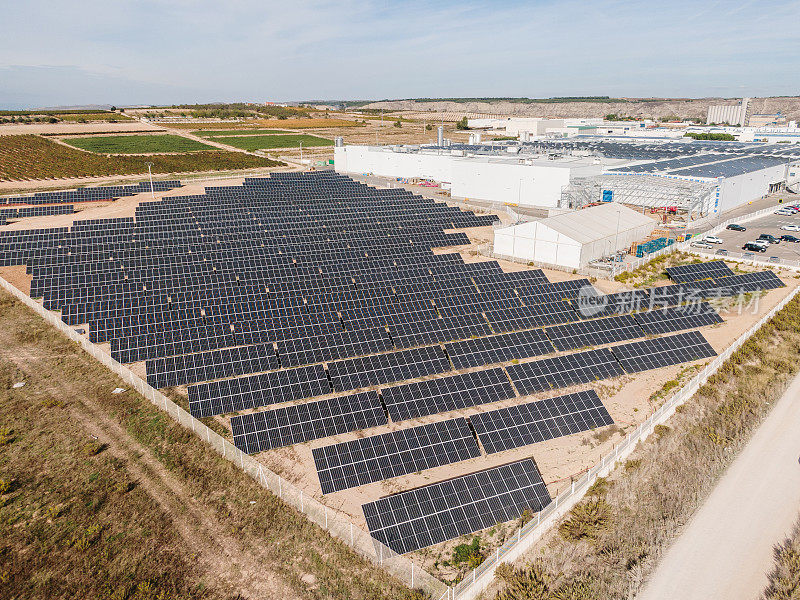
<point x="120" y="52"/>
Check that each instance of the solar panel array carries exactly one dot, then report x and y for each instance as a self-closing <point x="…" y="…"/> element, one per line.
<point x="443" y="394"/>
<point x="563" y="371"/>
<point x="695" y="272"/>
<point x="667" y="320"/>
<point x="664" y="351"/>
<point x="277" y="294"/>
<point x="525" y="424"/>
<point x="379" y="457"/>
<point x="442" y="511"/>
<point x="298" y="423"/>
<point x="90" y="194"/>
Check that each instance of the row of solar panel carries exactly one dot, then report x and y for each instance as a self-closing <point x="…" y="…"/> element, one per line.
<point x="256" y="432"/>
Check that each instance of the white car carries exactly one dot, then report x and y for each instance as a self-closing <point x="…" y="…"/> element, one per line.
<point x="700" y="245"/>
<point x="784" y="212"/>
<point x="791" y="227"/>
<point x="712" y="239"/>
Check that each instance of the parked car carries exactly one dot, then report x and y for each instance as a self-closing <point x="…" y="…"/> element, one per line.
<point x="735" y="227"/>
<point x="712" y="239"/>
<point x="790" y="238"/>
<point x="701" y="244"/>
<point x="785" y="212"/>
<point x="753" y="247"/>
<point x="769" y="238"/>
<point x="790" y="227"/>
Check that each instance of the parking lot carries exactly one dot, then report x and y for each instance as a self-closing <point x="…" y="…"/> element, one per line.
<point x="734" y="240"/>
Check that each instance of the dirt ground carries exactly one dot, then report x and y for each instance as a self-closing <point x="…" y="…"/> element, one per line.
<point x="76" y="128"/>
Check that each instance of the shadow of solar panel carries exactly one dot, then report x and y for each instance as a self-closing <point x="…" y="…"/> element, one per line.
<point x="379" y="457"/>
<point x="299" y="423"/>
<point x="595" y="332"/>
<point x="498" y="348"/>
<point x="354" y="373"/>
<point x="454" y="392"/>
<point x="696" y="272"/>
<point x="563" y="371"/>
<point x="530" y="317"/>
<point x="677" y="318"/>
<point x="525" y="424"/>
<point x="662" y="352"/>
<point x="215" y="364"/>
<point x="443" y="511"/>
<point x="286" y="385"/>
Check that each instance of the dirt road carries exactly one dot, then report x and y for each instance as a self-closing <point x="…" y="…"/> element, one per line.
<point x="726" y="549"/>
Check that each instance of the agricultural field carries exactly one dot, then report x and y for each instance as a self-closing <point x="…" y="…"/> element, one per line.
<point x="82" y="118"/>
<point x="218" y="133"/>
<point x="266" y="142"/>
<point x="136" y="144"/>
<point x="25" y="157"/>
<point x="309" y="123"/>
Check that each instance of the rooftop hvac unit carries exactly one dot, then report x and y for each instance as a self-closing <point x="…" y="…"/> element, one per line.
<point x="338" y="141"/>
<point x="440" y="136"/>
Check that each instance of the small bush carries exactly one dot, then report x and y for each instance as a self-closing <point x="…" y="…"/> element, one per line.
<point x="468" y="553"/>
<point x="586" y="520"/>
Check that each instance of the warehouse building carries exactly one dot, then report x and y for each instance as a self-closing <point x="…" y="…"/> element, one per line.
<point x="573" y="240"/>
<point x="696" y="178"/>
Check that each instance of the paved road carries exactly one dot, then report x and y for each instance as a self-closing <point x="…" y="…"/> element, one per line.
<point x="726" y="550"/>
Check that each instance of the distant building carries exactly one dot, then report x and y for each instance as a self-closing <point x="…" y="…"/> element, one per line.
<point x="767" y="120"/>
<point x="732" y="114"/>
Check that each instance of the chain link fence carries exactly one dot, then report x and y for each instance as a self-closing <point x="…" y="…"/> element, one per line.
<point x="334" y="522"/>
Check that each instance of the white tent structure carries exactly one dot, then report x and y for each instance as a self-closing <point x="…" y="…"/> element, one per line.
<point x="574" y="239"/>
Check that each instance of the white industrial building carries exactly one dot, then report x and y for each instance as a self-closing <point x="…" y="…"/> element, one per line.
<point x="573" y="240"/>
<point x="504" y="177"/>
<point x="697" y="178"/>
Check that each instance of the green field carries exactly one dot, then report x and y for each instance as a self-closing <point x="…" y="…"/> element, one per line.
<point x="217" y="133"/>
<point x="136" y="144"/>
<point x="266" y="142"/>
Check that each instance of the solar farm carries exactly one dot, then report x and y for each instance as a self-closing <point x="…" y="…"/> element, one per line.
<point x="345" y="336"/>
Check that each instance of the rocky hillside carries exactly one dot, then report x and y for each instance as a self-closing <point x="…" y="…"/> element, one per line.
<point x="633" y="107"/>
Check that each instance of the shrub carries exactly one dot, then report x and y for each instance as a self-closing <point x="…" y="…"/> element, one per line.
<point x="586" y="520"/>
<point x="468" y="553"/>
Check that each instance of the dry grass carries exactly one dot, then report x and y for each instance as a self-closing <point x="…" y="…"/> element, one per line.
<point x="611" y="541"/>
<point x="784" y="580"/>
<point x="74" y="522"/>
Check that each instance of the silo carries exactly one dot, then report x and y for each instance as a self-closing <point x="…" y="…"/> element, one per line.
<point x="440" y="136"/>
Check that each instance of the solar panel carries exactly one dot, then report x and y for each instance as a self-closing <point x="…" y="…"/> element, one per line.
<point x="748" y="282"/>
<point x="698" y="271"/>
<point x="563" y="371"/>
<point x="530" y="317"/>
<point x="354" y="373"/>
<point x="443" y="511"/>
<point x="442" y="394"/>
<point x="677" y="318"/>
<point x="662" y="352"/>
<point x="215" y="364"/>
<point x="595" y="332"/>
<point x="379" y="457"/>
<point x="525" y="424"/>
<point x="498" y="348"/>
<point x="275" y="387"/>
<point x="259" y="431"/>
